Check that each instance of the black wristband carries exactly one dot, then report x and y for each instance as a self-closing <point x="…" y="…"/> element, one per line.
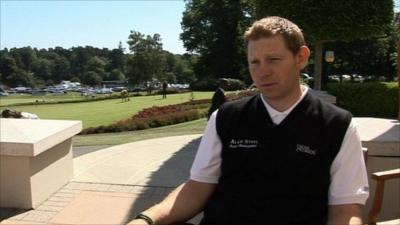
<point x="145" y="218"/>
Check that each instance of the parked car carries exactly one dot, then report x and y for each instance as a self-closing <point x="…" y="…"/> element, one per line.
<point x="334" y="78"/>
<point x="104" y="91"/>
<point x="118" y="89"/>
<point x="346" y="77"/>
<point x="358" y="78"/>
<point x="307" y="79"/>
<point x="138" y="88"/>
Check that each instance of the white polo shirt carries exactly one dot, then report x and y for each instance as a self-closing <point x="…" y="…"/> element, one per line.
<point x="349" y="181"/>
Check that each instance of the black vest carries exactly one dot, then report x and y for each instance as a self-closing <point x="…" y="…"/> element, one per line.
<point x="275" y="174"/>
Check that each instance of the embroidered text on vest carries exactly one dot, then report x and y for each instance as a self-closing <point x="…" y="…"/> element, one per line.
<point x="305" y="149"/>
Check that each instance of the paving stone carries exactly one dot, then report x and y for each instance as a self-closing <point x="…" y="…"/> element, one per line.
<point x="99" y="187"/>
<point x="55" y="203"/>
<point x="50" y="208"/>
<point x="18" y="222"/>
<point x="65" y="195"/>
<point x="64" y="190"/>
<point x="74" y="185"/>
<point x="115" y="188"/>
<point x="39" y="216"/>
<point x="60" y="199"/>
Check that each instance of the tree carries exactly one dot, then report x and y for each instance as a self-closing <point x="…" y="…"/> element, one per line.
<point x="8" y="66"/>
<point x="367" y="57"/>
<point x="214" y="29"/>
<point x="24" y="57"/>
<point x="92" y="78"/>
<point x="21" y="77"/>
<point x="96" y="64"/>
<point x="116" y="74"/>
<point x="62" y="69"/>
<point x="117" y="60"/>
<point x="324" y="20"/>
<point x="145" y="64"/>
<point x="42" y="68"/>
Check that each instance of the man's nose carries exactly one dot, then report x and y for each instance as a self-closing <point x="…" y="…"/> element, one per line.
<point x="265" y="69"/>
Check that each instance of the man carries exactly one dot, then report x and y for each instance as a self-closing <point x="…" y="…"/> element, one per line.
<point x="281" y="157"/>
<point x="164" y="89"/>
<point x="218" y="98"/>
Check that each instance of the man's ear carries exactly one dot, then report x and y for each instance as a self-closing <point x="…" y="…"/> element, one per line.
<point x="302" y="57"/>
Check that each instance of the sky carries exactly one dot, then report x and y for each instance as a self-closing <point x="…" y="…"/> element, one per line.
<point x="45" y="24"/>
<point x="102" y="24"/>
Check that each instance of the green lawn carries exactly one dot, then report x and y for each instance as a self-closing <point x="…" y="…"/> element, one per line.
<point x="192" y="127"/>
<point x="99" y="112"/>
<point x="28" y="98"/>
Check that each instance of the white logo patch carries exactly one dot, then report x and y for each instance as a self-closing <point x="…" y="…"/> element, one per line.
<point x="243" y="143"/>
<point x="305" y="149"/>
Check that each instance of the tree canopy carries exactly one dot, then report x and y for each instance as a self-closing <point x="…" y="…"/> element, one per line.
<point x="213" y="29"/>
<point x="33" y="67"/>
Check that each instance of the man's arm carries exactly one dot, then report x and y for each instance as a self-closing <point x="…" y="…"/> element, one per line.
<point x="182" y="204"/>
<point x="344" y="214"/>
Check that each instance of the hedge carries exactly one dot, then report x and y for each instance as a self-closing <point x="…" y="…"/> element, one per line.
<point x="367" y="99"/>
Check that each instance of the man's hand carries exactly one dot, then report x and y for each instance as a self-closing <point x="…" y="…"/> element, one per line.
<point x="182" y="204"/>
<point x="137" y="222"/>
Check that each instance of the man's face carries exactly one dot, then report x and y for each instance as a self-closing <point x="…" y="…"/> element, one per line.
<point x="273" y="68"/>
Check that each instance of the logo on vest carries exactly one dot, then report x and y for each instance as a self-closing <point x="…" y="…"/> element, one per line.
<point x="305" y="149"/>
<point x="243" y="143"/>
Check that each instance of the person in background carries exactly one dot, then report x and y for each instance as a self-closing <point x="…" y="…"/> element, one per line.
<point x="219" y="97"/>
<point x="9" y="113"/>
<point x="280" y="157"/>
<point x="164" y="89"/>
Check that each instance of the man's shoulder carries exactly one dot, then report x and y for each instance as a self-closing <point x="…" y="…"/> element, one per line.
<point x="239" y="103"/>
<point x="237" y="107"/>
<point x="326" y="107"/>
<point x="328" y="111"/>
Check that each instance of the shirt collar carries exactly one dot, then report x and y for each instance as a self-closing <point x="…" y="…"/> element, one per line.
<point x="274" y="113"/>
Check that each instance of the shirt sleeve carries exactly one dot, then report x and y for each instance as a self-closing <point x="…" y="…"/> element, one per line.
<point x="349" y="180"/>
<point x="207" y="163"/>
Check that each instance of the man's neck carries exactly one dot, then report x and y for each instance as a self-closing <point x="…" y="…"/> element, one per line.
<point x="285" y="103"/>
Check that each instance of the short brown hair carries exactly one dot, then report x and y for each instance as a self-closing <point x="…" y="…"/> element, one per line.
<point x="273" y="26"/>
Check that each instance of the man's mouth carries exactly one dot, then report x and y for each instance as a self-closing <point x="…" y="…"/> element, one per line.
<point x="268" y="84"/>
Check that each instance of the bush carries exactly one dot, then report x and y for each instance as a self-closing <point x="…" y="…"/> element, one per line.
<point x="207" y="84"/>
<point x="235" y="84"/>
<point x="242" y="94"/>
<point x="367" y="99"/>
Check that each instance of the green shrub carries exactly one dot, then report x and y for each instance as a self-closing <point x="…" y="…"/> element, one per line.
<point x="235" y="84"/>
<point x="206" y="84"/>
<point x="367" y="99"/>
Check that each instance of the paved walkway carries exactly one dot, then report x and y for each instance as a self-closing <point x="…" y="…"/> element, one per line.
<point x="113" y="184"/>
